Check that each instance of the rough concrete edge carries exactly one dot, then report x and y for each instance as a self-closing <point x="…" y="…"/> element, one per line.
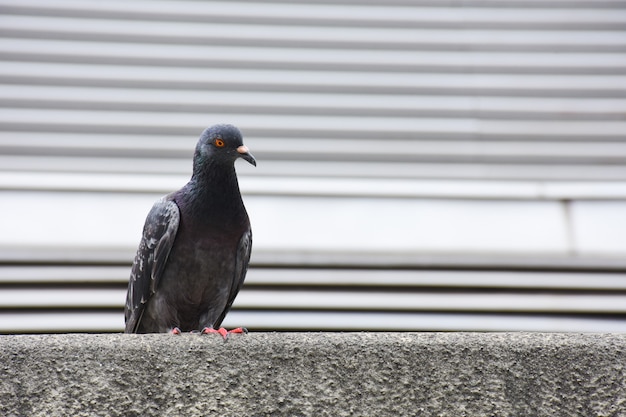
<point x="539" y="374"/>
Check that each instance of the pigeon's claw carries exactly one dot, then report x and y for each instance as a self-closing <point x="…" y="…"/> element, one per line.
<point x="175" y="331"/>
<point x="240" y="330"/>
<point x="223" y="332"/>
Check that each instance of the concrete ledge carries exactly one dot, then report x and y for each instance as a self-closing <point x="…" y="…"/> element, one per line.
<point x="314" y="374"/>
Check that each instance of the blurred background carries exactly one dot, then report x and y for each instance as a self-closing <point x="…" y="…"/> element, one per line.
<point x="422" y="165"/>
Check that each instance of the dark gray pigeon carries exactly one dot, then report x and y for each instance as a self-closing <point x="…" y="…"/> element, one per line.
<point x="194" y="252"/>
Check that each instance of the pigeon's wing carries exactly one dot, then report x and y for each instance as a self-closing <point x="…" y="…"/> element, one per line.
<point x="241" y="268"/>
<point x="156" y="243"/>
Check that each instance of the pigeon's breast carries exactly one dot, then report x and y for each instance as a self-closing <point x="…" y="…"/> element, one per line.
<point x="200" y="271"/>
<point x="198" y="261"/>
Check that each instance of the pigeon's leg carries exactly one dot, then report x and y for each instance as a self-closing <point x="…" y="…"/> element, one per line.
<point x="223" y="332"/>
<point x="175" y="331"/>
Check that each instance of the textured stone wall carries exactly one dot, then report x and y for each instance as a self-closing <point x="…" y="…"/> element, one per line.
<point x="314" y="374"/>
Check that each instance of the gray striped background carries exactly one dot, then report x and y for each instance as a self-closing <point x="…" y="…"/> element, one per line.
<point x="423" y="165"/>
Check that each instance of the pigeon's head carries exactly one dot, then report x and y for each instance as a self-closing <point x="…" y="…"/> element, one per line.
<point x="221" y="144"/>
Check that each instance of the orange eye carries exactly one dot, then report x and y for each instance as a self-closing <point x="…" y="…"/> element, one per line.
<point x="219" y="143"/>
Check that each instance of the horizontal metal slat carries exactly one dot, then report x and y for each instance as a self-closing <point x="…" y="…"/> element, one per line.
<point x="71" y="149"/>
<point x="312" y="126"/>
<point x="276" y="161"/>
<point x="43" y="254"/>
<point x="67" y="144"/>
<point x="431" y="301"/>
<point x="434" y="170"/>
<point x="587" y="174"/>
<point x="309" y="36"/>
<point x="330" y="14"/>
<point x="11" y="298"/>
<point x="324" y="187"/>
<point x="331" y="278"/>
<point x="46" y="298"/>
<point x="326" y="59"/>
<point x="177" y="101"/>
<point x="334" y="278"/>
<point x="64" y="275"/>
<point x="61" y="322"/>
<point x="86" y="164"/>
<point x="321" y="186"/>
<point x="345" y="321"/>
<point x="239" y="79"/>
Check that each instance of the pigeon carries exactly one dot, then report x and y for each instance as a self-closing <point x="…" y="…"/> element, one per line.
<point x="194" y="252"/>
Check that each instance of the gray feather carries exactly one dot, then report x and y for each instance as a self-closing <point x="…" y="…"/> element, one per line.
<point x="156" y="243"/>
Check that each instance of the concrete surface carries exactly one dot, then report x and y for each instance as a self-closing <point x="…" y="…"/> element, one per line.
<point x="314" y="374"/>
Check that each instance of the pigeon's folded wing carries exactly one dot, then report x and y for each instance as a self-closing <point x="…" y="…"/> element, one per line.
<point x="156" y="243"/>
<point x="241" y="268"/>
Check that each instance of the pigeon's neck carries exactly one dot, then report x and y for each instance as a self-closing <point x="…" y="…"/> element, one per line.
<point x="213" y="188"/>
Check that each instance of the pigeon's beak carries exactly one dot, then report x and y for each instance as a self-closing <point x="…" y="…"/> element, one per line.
<point x="245" y="154"/>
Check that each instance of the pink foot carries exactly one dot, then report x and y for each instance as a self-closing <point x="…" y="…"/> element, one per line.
<point x="223" y="332"/>
<point x="175" y="331"/>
